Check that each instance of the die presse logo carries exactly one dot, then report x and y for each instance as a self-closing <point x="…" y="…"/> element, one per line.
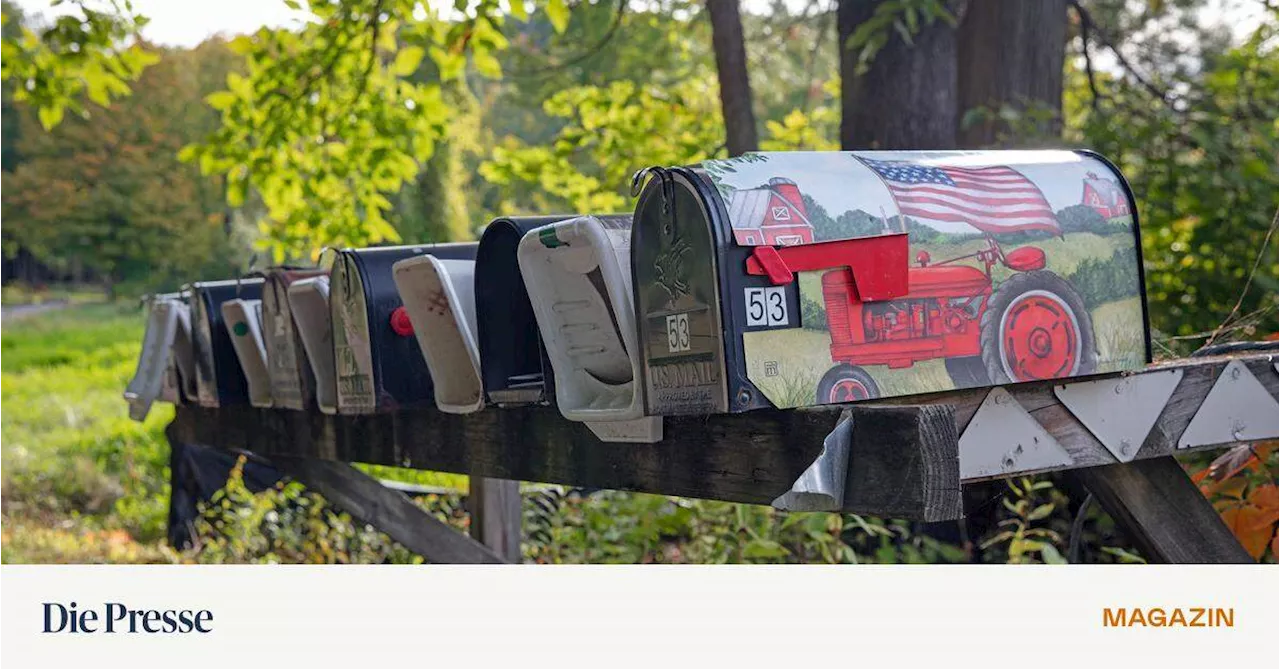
<point x="116" y="618"/>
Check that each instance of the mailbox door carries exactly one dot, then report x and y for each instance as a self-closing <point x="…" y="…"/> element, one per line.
<point x="513" y="360"/>
<point x="292" y="382"/>
<point x="309" y="305"/>
<point x="674" y="250"/>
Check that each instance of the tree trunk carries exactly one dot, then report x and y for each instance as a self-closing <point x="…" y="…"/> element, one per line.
<point x="731" y="66"/>
<point x="1011" y="54"/>
<point x="907" y="98"/>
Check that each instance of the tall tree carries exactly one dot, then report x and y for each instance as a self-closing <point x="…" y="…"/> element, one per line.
<point x="898" y="75"/>
<point x="1010" y="60"/>
<point x="735" y="86"/>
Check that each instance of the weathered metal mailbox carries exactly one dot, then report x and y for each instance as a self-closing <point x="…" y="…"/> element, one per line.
<point x="219" y="381"/>
<point x="514" y="367"/>
<point x="293" y="384"/>
<point x="243" y="320"/>
<point x="148" y="382"/>
<point x="309" y="304"/>
<point x="793" y="279"/>
<point x="180" y="375"/>
<point x="379" y="365"/>
<point x="579" y="280"/>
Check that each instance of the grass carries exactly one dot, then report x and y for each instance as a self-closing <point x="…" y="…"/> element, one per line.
<point x="79" y="476"/>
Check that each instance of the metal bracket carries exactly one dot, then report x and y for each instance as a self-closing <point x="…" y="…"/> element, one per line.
<point x="1237" y="408"/>
<point x="1003" y="437"/>
<point x="1120" y="412"/>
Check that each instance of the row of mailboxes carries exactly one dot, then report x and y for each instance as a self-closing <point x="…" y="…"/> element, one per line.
<point x="769" y="280"/>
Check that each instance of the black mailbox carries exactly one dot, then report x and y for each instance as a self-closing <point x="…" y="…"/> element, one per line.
<point x="514" y="366"/>
<point x="378" y="363"/>
<point x="219" y="379"/>
<point x="293" y="385"/>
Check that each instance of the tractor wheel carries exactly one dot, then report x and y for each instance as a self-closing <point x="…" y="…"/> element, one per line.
<point x="1036" y="327"/>
<point x="968" y="371"/>
<point x="846" y="383"/>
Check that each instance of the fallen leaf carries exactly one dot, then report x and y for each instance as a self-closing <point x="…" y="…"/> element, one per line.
<point x="1242" y="520"/>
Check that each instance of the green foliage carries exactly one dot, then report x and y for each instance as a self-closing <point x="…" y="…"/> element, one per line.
<point x="108" y="193"/>
<point x="1105" y="280"/>
<point x="287" y="524"/>
<point x="1192" y="123"/>
<point x="92" y="53"/>
<point x="901" y="17"/>
<point x="1083" y="218"/>
<point x="608" y="133"/>
<point x="327" y="124"/>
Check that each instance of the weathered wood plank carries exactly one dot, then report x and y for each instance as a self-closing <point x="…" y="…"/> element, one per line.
<point x="751" y="457"/>
<point x="496" y="516"/>
<point x="1165" y="515"/>
<point x="904" y="462"/>
<point x="388" y="510"/>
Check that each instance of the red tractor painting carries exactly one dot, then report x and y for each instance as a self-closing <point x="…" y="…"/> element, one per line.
<point x="1031" y="326"/>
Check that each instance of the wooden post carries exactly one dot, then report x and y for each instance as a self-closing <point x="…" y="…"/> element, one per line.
<point x="496" y="516"/>
<point x="904" y="462"/>
<point x="1155" y="503"/>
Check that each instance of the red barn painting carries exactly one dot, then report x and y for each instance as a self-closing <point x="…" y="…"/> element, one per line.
<point x="772" y="214"/>
<point x="1105" y="196"/>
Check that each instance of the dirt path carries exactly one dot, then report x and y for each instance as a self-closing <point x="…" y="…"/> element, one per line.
<point x="19" y="311"/>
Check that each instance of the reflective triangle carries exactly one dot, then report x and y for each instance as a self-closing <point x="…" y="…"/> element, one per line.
<point x="1120" y="412"/>
<point x="1003" y="438"/>
<point x="1237" y="408"/>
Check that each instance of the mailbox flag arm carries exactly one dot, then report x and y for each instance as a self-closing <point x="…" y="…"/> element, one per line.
<point x="878" y="264"/>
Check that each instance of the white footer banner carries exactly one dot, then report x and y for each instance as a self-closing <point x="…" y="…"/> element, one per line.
<point x="787" y="616"/>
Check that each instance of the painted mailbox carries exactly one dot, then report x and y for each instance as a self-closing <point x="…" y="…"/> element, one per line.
<point x="514" y="367"/>
<point x="293" y="384"/>
<point x="378" y="363"/>
<point x="578" y="275"/>
<point x="793" y="279"/>
<point x="219" y="379"/>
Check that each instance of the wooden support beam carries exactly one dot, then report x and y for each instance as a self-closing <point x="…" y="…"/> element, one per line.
<point x="390" y="511"/>
<point x="496" y="516"/>
<point x="751" y="457"/>
<point x="904" y="462"/>
<point x="1165" y="515"/>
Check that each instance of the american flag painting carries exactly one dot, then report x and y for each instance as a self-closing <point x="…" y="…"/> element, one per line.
<point x="992" y="199"/>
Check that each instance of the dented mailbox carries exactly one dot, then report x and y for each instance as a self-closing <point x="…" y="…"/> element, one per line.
<point x="514" y="366"/>
<point x="579" y="280"/>
<point x="378" y="363"/>
<point x="293" y="384"/>
<point x="219" y="380"/>
<point x="794" y="279"/>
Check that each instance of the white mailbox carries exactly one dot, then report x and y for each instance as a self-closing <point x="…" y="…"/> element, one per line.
<point x="578" y="273"/>
<point x="439" y="295"/>
<point x="243" y="320"/>
<point x="309" y="302"/>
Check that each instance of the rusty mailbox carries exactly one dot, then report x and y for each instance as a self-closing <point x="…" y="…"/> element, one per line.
<point x="378" y="363"/>
<point x="219" y="380"/>
<point x="293" y="383"/>
<point x="794" y="279"/>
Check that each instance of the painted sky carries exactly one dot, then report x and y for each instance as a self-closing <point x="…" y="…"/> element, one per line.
<point x="841" y="183"/>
